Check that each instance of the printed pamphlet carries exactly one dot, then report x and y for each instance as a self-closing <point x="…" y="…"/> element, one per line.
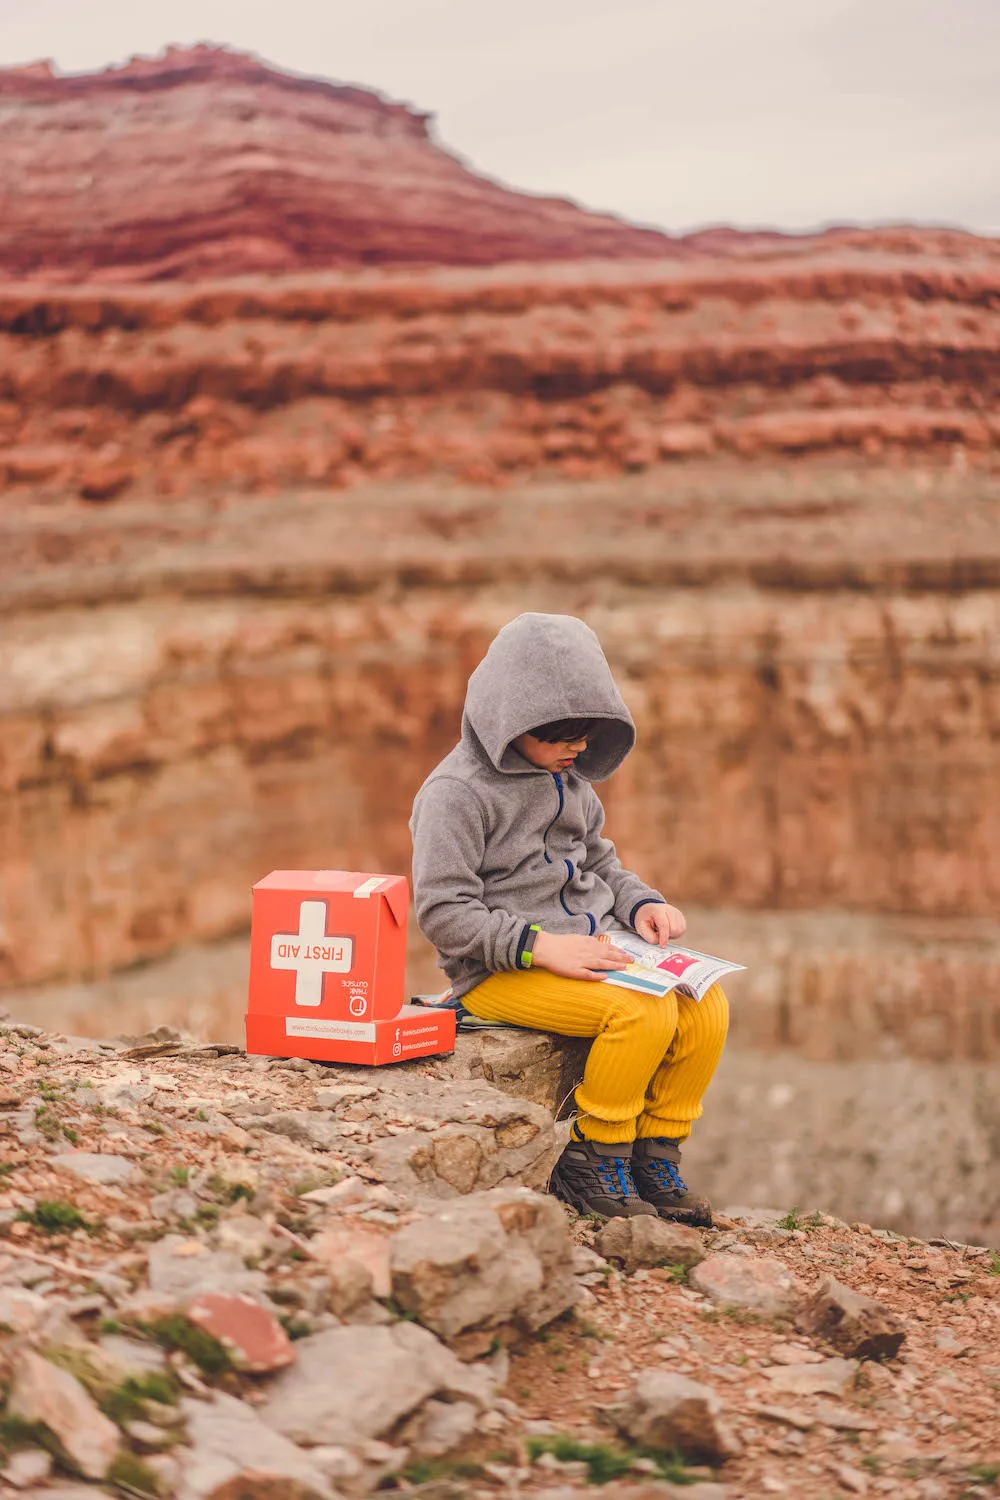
<point x="657" y="971"/>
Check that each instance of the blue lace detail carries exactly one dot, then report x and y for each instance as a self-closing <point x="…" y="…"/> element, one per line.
<point x="665" y="1174"/>
<point x="615" y="1173"/>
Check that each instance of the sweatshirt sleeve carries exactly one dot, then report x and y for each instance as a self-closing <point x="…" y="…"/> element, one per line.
<point x="449" y="841"/>
<point x="628" y="890"/>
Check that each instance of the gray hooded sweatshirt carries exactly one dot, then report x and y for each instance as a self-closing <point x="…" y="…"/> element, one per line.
<point x="499" y="844"/>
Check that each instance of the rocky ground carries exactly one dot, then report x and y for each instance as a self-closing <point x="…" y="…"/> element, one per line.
<point x="235" y="1278"/>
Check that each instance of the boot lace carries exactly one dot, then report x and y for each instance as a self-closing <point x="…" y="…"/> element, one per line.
<point x="615" y="1175"/>
<point x="665" y="1174"/>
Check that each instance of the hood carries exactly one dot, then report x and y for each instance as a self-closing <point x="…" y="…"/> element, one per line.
<point x="540" y="668"/>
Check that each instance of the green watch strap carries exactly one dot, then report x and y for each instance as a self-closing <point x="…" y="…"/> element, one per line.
<point x="528" y="945"/>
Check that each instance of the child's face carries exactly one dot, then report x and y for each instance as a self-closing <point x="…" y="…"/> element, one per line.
<point x="549" y="757"/>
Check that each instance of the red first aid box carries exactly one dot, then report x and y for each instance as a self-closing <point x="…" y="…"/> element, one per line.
<point x="328" y="971"/>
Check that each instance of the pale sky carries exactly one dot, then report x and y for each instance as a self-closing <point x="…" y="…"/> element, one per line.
<point x="680" y="113"/>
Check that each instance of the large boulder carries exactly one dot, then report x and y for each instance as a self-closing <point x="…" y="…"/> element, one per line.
<point x="353" y="1384"/>
<point x="532" y="1065"/>
<point x="496" y="1264"/>
<point x="471" y="1138"/>
<point x="231" y="1453"/>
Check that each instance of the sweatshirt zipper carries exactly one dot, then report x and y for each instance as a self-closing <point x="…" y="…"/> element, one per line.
<point x="558" y="814"/>
<point x="567" y="862"/>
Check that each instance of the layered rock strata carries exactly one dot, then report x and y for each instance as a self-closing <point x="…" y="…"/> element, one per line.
<point x="500" y="375"/>
<point x="814" y="691"/>
<point x="256" y="170"/>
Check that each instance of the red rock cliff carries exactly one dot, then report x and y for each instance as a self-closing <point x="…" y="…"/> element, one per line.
<point x="206" y="162"/>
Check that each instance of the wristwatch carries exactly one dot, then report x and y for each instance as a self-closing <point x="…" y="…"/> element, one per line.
<point x="527" y="944"/>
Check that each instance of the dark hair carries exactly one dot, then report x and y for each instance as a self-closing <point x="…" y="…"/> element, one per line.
<point x="566" y="730"/>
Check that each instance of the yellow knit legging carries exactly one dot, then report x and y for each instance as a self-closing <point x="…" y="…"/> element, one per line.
<point x="652" y="1058"/>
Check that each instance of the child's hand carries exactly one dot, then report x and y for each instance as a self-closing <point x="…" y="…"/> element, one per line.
<point x="576" y="957"/>
<point x="659" y="923"/>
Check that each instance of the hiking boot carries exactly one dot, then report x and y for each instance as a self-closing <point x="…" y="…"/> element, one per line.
<point x="656" y="1169"/>
<point x="595" y="1178"/>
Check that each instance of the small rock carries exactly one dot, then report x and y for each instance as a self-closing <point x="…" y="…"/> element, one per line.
<point x="126" y="1088"/>
<point x="753" y="1282"/>
<point x="492" y="1422"/>
<point x="94" y="1166"/>
<point x="351" y="1286"/>
<point x="794" y="1354"/>
<point x="586" y="1263"/>
<point x="146" y="1434"/>
<point x="26" y="1468"/>
<point x="251" y="1238"/>
<point x="857" y="1325"/>
<point x="340" y="1465"/>
<point x="232" y="1453"/>
<point x="182" y="1267"/>
<point x="439" y="1427"/>
<point x="20" y="1310"/>
<point x="178" y="1203"/>
<point x="852" y="1479"/>
<point x="113" y="1287"/>
<point x="645" y="1241"/>
<point x="946" y="1341"/>
<point x="251" y="1333"/>
<point x="381" y="1459"/>
<point x="135" y="1357"/>
<point x="43" y="1393"/>
<point x="672" y="1413"/>
<point x="341" y="1194"/>
<point x="104" y="479"/>
<point x="797" y="1419"/>
<point x="843" y="1419"/>
<point x="166" y="1468"/>
<point x="831" y="1377"/>
<point x="162" y="1413"/>
<point x="355" y="1242"/>
<point x="329" y="1098"/>
<point x="304" y="1126"/>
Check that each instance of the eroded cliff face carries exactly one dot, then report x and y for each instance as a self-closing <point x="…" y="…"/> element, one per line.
<point x="492" y="377"/>
<point x="268" y="687"/>
<point x="207" y="162"/>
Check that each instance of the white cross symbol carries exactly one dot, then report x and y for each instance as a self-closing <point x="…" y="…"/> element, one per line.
<point x="311" y="953"/>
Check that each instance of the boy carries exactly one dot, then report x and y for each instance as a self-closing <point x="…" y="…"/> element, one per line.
<point x="512" y="883"/>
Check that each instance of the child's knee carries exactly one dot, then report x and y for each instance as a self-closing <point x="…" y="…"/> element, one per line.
<point x="650" y="1019"/>
<point x="714" y="1016"/>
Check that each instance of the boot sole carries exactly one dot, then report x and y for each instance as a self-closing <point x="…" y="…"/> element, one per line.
<point x="695" y="1218"/>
